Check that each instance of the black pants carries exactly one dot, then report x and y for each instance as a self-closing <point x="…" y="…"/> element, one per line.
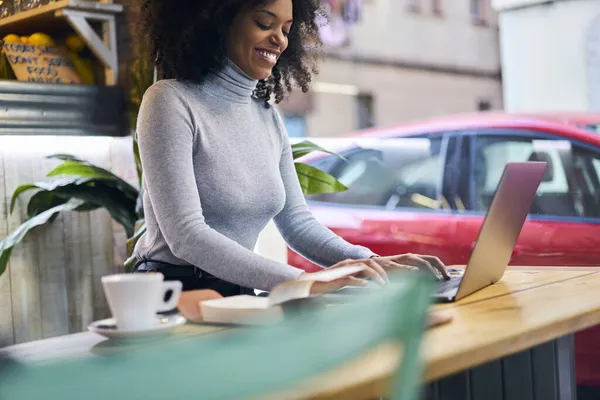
<point x="192" y="278"/>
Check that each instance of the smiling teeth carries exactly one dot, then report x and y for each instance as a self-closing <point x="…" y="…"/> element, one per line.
<point x="266" y="54"/>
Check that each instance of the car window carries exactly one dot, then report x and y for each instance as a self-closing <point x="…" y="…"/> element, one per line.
<point x="593" y="127"/>
<point x="568" y="188"/>
<point x="596" y="164"/>
<point x="390" y="173"/>
<point x="586" y="173"/>
<point x="497" y="153"/>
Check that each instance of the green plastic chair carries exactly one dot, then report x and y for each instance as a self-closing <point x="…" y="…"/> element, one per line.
<point x="243" y="363"/>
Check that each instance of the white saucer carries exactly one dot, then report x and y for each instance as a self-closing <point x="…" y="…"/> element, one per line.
<point x="162" y="326"/>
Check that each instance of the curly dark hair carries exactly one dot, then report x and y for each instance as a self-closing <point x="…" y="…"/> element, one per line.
<point x="187" y="40"/>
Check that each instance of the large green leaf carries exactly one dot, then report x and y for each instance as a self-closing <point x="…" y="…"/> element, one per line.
<point x="43" y="201"/>
<point x="314" y="181"/>
<point x="94" y="195"/>
<point x="80" y="168"/>
<point x="7" y="245"/>
<point x="303" y="148"/>
<point x="73" y="161"/>
<point x="118" y="205"/>
<point x="48" y="185"/>
<point x="76" y="168"/>
<point x="138" y="160"/>
<point x="121" y="204"/>
<point x="65" y="157"/>
<point x="18" y="191"/>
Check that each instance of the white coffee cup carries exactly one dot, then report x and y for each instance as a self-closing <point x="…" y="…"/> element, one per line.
<point x="134" y="299"/>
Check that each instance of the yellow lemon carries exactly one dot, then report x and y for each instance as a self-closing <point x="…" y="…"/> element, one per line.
<point x="84" y="67"/>
<point x="74" y="43"/>
<point x="24" y="39"/>
<point x="40" y="39"/>
<point x="12" y="38"/>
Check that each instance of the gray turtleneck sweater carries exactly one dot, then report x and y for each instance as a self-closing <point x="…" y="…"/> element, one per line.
<point x="217" y="168"/>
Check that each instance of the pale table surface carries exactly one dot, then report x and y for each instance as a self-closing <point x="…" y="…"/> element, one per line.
<point x="528" y="307"/>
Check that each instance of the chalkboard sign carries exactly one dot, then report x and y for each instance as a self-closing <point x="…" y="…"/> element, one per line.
<point x="40" y="64"/>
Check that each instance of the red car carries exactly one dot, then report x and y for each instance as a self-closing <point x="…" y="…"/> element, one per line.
<point x="424" y="188"/>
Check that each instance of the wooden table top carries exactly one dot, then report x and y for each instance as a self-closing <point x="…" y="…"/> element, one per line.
<point x="529" y="306"/>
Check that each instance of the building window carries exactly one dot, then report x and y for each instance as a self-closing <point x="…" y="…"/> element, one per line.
<point x="365" y="111"/>
<point x="478" y="12"/>
<point x="484" y="105"/>
<point x="437" y="7"/>
<point x="413" y="6"/>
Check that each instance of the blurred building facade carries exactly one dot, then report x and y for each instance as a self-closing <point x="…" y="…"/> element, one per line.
<point x="391" y="61"/>
<point x="550" y="54"/>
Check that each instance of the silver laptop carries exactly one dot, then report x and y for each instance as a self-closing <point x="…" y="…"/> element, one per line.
<point x="497" y="238"/>
<point x="499" y="233"/>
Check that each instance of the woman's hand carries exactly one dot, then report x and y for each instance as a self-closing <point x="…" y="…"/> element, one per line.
<point x="189" y="303"/>
<point x="372" y="271"/>
<point x="378" y="267"/>
<point x="328" y="287"/>
<point x="319" y="287"/>
<point x="414" y="263"/>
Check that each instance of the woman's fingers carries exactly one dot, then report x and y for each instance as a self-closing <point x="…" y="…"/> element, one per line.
<point x="375" y="265"/>
<point x="189" y="303"/>
<point x="438" y="265"/>
<point x="354" y="281"/>
<point x="328" y="287"/>
<point x="377" y="268"/>
<point x="369" y="272"/>
<point x="402" y="267"/>
<point x="416" y="261"/>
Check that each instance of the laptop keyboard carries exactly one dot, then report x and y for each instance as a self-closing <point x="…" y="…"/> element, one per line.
<point x="449" y="285"/>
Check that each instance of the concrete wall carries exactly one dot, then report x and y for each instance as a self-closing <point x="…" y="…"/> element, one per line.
<point x="393" y="31"/>
<point x="545" y="49"/>
<point x="399" y="95"/>
<point x="414" y="62"/>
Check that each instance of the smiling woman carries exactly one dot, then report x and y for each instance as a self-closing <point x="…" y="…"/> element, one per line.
<point x="217" y="162"/>
<point x="259" y="36"/>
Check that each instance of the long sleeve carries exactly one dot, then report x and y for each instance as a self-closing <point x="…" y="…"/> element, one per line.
<point x="299" y="228"/>
<point x="166" y="127"/>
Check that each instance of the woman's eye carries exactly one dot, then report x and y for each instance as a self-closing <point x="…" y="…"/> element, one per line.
<point x="262" y="26"/>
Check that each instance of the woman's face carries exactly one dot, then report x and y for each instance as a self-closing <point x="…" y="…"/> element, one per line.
<point x="258" y="36"/>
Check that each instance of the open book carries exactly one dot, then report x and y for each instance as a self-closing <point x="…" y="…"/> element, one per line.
<point x="252" y="310"/>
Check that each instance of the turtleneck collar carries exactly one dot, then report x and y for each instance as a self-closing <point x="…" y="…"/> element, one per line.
<point x="232" y="83"/>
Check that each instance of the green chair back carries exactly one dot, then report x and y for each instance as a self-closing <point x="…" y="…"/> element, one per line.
<point x="241" y="363"/>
